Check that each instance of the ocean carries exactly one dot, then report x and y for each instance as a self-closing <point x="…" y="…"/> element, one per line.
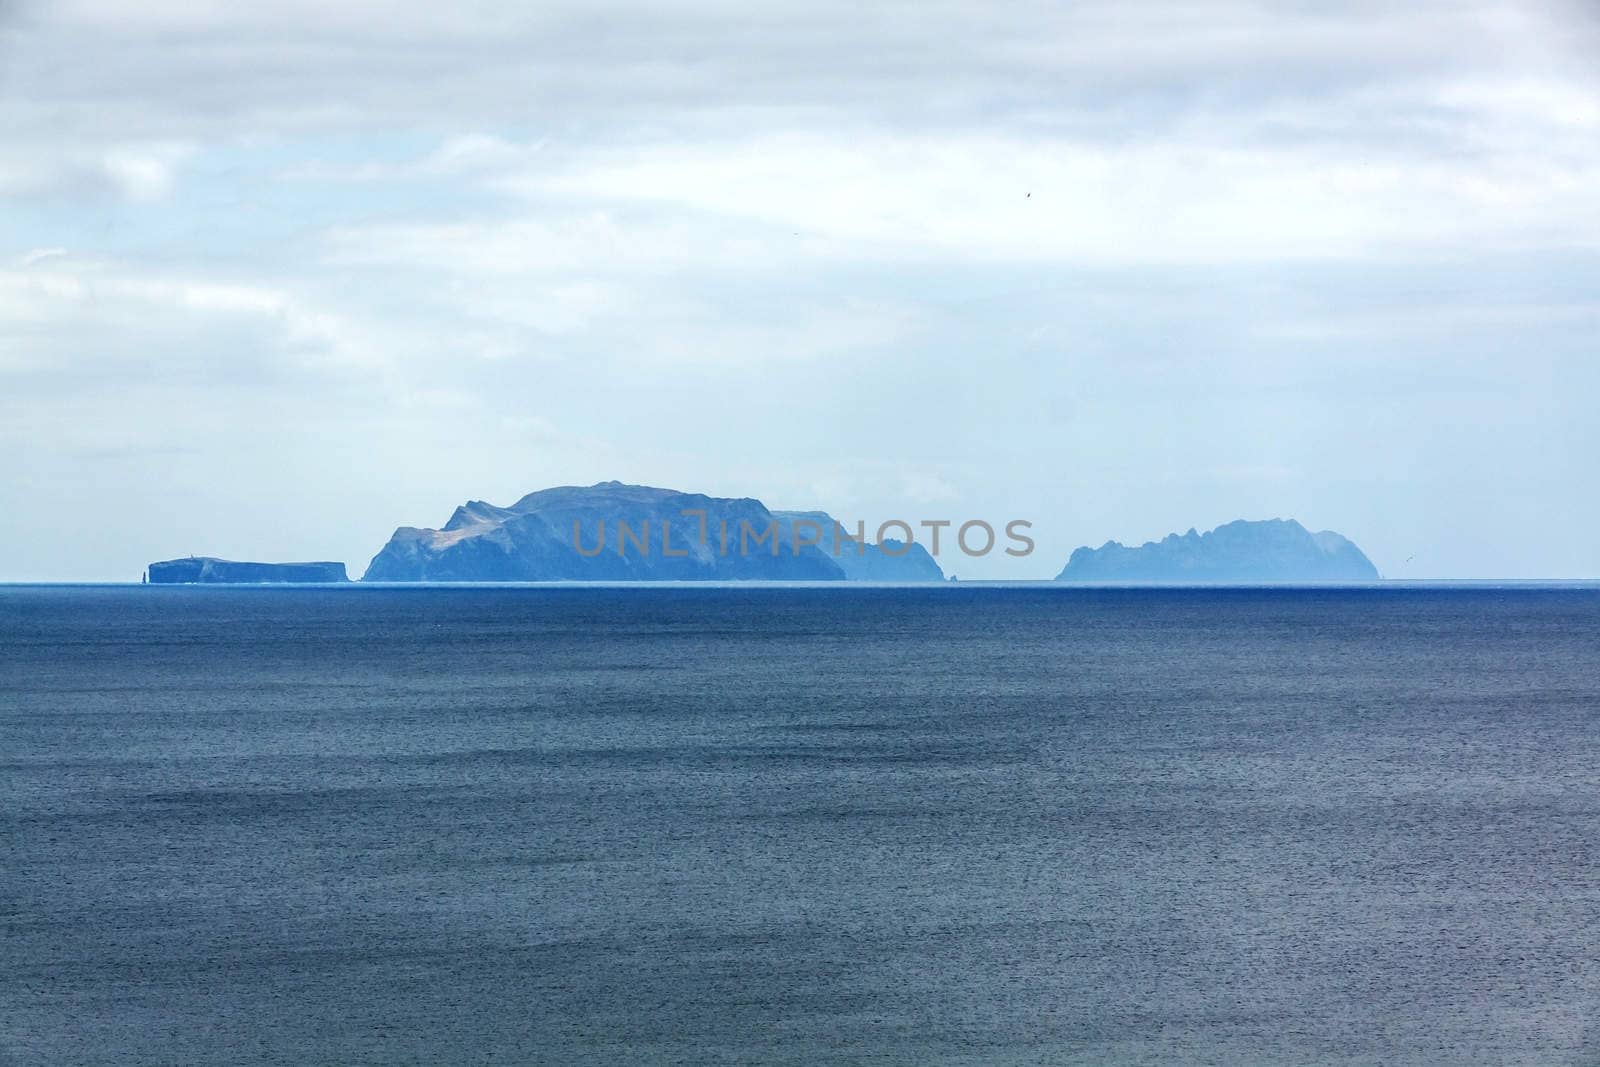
<point x="773" y="825"/>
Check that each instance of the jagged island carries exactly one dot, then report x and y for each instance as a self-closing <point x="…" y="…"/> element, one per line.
<point x="1241" y="552"/>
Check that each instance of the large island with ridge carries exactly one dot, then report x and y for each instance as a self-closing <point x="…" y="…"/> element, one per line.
<point x="614" y="532"/>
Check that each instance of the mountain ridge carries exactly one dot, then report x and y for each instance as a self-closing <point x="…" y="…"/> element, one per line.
<point x="609" y="531"/>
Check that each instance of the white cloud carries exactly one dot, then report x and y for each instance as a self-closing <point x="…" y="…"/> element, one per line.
<point x="74" y="316"/>
<point x="924" y="488"/>
<point x="39" y="255"/>
<point x="144" y="173"/>
<point x="136" y="173"/>
<point x="1193" y="197"/>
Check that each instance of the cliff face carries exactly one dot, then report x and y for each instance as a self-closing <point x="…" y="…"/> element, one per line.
<point x="623" y="533"/>
<point x="207" y="570"/>
<point x="1275" y="550"/>
<point x="892" y="561"/>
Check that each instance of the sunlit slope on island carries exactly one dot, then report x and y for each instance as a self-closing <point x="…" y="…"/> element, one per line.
<point x="863" y="560"/>
<point x="1273" y="550"/>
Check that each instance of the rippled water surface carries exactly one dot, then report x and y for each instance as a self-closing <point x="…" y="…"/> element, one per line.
<point x="799" y="825"/>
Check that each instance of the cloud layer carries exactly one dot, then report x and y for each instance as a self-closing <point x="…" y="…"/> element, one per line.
<point x="279" y="277"/>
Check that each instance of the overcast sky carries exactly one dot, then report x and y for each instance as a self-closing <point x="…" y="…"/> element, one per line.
<point x="277" y="278"/>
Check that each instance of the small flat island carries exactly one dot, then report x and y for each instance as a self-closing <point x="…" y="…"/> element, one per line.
<point x="207" y="570"/>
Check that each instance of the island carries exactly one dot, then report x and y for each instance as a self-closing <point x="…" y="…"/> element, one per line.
<point x="207" y="570"/>
<point x="888" y="561"/>
<point x="612" y="532"/>
<point x="1241" y="552"/>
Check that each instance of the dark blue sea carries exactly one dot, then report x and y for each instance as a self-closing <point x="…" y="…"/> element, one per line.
<point x="669" y="825"/>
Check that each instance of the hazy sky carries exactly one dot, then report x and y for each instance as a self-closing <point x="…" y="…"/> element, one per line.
<point x="275" y="279"/>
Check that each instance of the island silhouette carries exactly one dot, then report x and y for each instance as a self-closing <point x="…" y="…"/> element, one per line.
<point x="613" y="531"/>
